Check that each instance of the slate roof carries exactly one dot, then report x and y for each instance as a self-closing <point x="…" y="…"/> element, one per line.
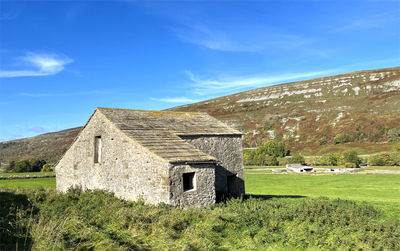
<point x="159" y="131"/>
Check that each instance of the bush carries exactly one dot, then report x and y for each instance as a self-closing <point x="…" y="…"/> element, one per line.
<point x="375" y="160"/>
<point x="297" y="159"/>
<point x="384" y="159"/>
<point x="46" y="168"/>
<point x="332" y="159"/>
<point x="351" y="157"/>
<point x="350" y="165"/>
<point x="393" y="134"/>
<point x="341" y="138"/>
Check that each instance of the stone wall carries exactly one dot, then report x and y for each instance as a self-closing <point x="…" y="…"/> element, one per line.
<point x="126" y="168"/>
<point x="228" y="151"/>
<point x="204" y="192"/>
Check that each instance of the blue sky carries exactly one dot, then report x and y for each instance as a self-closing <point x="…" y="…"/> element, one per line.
<point x="61" y="59"/>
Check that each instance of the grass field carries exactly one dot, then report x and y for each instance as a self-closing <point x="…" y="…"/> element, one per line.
<point x="29" y="183"/>
<point x="26" y="174"/>
<point x="381" y="190"/>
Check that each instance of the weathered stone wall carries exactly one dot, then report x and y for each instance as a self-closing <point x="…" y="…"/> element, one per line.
<point x="228" y="151"/>
<point x="204" y="192"/>
<point x="127" y="169"/>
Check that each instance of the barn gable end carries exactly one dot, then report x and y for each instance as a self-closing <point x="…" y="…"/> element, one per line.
<point x="182" y="159"/>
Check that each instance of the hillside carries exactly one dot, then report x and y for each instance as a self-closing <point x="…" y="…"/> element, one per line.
<point x="364" y="106"/>
<point x="48" y="146"/>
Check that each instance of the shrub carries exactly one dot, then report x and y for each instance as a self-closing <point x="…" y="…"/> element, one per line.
<point x="46" y="168"/>
<point x="350" y="165"/>
<point x="341" y="138"/>
<point x="271" y="161"/>
<point x="331" y="159"/>
<point x="351" y="157"/>
<point x="323" y="140"/>
<point x="297" y="159"/>
<point x="375" y="160"/>
<point x="393" y="134"/>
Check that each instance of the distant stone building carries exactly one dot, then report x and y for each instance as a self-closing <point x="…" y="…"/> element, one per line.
<point x="184" y="159"/>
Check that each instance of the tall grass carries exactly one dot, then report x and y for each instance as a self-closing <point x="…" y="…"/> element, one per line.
<point x="98" y="221"/>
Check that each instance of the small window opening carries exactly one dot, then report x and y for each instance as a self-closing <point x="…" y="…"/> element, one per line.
<point x="188" y="181"/>
<point x="97" y="149"/>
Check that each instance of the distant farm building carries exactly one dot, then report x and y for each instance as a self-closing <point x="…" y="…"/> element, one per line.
<point x="183" y="159"/>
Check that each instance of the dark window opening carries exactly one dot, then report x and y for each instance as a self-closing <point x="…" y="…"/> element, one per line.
<point x="97" y="149"/>
<point x="188" y="181"/>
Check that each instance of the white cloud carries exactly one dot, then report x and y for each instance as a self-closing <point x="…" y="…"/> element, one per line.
<point x="229" y="84"/>
<point x="175" y="100"/>
<point x="39" y="65"/>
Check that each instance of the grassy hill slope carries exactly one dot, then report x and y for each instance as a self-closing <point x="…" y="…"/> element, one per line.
<point x="364" y="106"/>
<point x="48" y="146"/>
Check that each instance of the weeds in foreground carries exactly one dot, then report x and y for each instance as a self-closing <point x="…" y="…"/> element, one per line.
<point x="98" y="221"/>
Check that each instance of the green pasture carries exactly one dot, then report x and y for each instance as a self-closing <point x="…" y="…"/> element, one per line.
<point x="29" y="183"/>
<point x="381" y="190"/>
<point x="26" y="174"/>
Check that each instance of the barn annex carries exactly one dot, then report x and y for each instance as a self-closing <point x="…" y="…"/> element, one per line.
<point x="184" y="159"/>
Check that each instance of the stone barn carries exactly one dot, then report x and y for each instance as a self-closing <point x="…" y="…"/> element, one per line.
<point x="185" y="159"/>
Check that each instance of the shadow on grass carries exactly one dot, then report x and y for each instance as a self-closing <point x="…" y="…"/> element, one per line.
<point x="224" y="197"/>
<point x="268" y="197"/>
<point x="16" y="212"/>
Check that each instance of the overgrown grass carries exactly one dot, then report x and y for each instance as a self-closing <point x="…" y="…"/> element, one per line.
<point x="381" y="190"/>
<point x="98" y="221"/>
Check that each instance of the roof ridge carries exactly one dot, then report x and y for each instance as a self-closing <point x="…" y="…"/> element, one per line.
<point x="153" y="111"/>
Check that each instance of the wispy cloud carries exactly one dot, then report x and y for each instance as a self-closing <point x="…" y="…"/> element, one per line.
<point x="38" y="65"/>
<point x="229" y="84"/>
<point x="176" y="100"/>
<point x="370" y="22"/>
<point x="250" y="39"/>
<point x="68" y="94"/>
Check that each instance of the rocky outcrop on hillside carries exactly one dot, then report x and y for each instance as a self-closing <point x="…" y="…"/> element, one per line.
<point x="362" y="106"/>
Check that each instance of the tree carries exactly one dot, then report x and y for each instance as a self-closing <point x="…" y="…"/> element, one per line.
<point x="22" y="166"/>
